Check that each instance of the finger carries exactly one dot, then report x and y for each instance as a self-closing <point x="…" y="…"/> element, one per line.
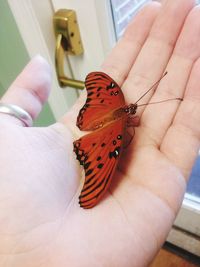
<point x="30" y="90"/>
<point x="123" y="55"/>
<point x="155" y="53"/>
<point x="181" y="143"/>
<point x="157" y="118"/>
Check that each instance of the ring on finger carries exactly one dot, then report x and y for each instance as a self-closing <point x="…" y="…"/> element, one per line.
<point x="16" y="112"/>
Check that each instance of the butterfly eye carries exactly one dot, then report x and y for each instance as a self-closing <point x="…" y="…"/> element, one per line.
<point x="133" y="108"/>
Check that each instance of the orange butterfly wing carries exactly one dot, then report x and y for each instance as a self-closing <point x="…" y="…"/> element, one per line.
<point x="99" y="153"/>
<point x="103" y="96"/>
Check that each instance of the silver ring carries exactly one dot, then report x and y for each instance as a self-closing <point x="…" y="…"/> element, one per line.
<point x="16" y="112"/>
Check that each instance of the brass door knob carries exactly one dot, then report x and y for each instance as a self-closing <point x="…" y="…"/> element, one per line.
<point x="68" y="42"/>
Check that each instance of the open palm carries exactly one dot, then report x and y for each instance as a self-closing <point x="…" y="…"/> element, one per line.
<point x="41" y="223"/>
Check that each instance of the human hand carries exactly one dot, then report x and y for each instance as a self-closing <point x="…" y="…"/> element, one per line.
<point x="41" y="223"/>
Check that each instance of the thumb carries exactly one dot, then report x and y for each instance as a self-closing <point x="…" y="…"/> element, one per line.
<point x="31" y="88"/>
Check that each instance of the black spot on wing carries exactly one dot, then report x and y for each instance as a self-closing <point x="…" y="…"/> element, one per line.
<point x="90" y="93"/>
<point x="111" y="86"/>
<point x="86" y="165"/>
<point x="88" y="100"/>
<point x="115" y="153"/>
<point x="114" y="142"/>
<point x="89" y="172"/>
<point x="100" y="166"/>
<point x="80" y="154"/>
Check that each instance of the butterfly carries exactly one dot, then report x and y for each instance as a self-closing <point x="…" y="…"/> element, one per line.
<point x="106" y="115"/>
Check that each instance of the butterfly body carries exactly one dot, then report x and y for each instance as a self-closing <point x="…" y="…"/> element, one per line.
<point x="112" y="116"/>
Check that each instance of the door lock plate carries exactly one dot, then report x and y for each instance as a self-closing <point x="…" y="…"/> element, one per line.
<point x="68" y="42"/>
<point x="65" y="23"/>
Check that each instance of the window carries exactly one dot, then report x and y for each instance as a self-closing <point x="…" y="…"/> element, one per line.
<point x="193" y="188"/>
<point x="123" y="11"/>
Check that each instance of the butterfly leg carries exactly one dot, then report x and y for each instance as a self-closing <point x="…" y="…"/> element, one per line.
<point x="131" y="123"/>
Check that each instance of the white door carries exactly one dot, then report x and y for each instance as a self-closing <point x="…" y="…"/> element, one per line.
<point x="96" y="21"/>
<point x="35" y="22"/>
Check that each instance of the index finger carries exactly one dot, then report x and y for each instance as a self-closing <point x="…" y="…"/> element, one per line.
<point x="123" y="55"/>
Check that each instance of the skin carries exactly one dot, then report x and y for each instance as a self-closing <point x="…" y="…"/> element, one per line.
<point x="41" y="223"/>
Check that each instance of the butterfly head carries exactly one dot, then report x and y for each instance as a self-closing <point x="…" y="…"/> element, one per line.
<point x="131" y="109"/>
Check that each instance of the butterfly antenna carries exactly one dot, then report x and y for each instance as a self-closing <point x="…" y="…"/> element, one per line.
<point x="151" y="87"/>
<point x="166" y="100"/>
